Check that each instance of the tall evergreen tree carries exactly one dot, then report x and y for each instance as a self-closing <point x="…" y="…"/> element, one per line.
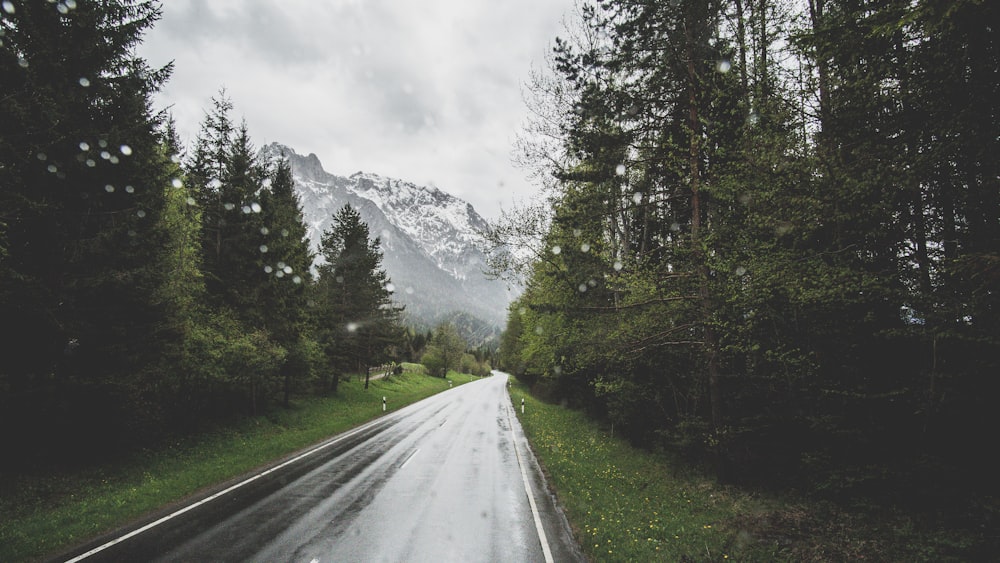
<point x="81" y="198"/>
<point x="356" y="317"/>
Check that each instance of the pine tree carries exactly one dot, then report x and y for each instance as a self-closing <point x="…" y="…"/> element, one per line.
<point x="355" y="315"/>
<point x="82" y="183"/>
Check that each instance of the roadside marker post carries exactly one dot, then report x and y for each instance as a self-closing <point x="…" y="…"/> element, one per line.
<point x="383" y="403"/>
<point x="522" y="405"/>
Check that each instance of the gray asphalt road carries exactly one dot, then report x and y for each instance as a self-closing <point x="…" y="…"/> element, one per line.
<point x="448" y="479"/>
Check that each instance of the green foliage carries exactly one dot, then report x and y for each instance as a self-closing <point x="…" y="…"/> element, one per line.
<point x="358" y="325"/>
<point x="785" y="277"/>
<point x="445" y="351"/>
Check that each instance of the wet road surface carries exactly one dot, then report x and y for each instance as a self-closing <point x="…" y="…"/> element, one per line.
<point x="450" y="478"/>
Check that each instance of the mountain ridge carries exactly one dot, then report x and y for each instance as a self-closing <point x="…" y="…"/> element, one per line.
<point x="428" y="238"/>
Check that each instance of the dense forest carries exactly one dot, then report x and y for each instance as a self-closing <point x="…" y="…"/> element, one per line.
<point x="774" y="240"/>
<point x="147" y="289"/>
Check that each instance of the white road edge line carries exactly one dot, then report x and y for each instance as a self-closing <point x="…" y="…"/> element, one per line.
<point x="410" y="457"/>
<point x="207" y="500"/>
<point x="546" y="551"/>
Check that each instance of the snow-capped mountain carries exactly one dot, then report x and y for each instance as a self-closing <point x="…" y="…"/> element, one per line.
<point x="428" y="237"/>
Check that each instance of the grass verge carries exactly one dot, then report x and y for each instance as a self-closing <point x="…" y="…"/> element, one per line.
<point x="46" y="513"/>
<point x="630" y="505"/>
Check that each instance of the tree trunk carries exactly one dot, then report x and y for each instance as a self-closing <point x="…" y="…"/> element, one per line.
<point x="704" y="292"/>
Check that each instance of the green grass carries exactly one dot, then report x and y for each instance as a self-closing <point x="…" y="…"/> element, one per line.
<point x="624" y="504"/>
<point x="630" y="505"/>
<point x="44" y="514"/>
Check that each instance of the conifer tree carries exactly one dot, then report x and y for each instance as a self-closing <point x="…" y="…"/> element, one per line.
<point x="82" y="181"/>
<point x="355" y="315"/>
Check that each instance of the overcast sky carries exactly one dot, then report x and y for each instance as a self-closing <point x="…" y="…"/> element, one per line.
<point x="424" y="90"/>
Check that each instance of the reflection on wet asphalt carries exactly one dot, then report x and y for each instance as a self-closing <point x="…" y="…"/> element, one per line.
<point x="436" y="481"/>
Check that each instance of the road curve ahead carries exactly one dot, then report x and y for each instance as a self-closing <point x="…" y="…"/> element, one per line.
<point x="447" y="479"/>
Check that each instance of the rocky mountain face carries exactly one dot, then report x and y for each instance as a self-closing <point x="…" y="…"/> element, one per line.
<point x="428" y="237"/>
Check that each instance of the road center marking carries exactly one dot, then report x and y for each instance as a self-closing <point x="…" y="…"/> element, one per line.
<point x="409" y="457"/>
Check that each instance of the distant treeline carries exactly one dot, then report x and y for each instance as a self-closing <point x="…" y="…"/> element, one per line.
<point x="775" y="239"/>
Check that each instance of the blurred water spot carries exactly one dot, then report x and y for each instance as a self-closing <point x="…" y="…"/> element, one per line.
<point x="84" y="146"/>
<point x="584" y="247"/>
<point x="618" y="265"/>
<point x="556" y="249"/>
<point x="229" y="206"/>
<point x="390" y="287"/>
<point x="264" y="230"/>
<point x="8" y="7"/>
<point x="42" y="156"/>
<point x="125" y="150"/>
<point x="176" y="182"/>
<point x="724" y="66"/>
<point x="129" y="189"/>
<point x="190" y="201"/>
<point x="263" y="248"/>
<point x="297" y="279"/>
<point x="582" y="287"/>
<point x="620" y="170"/>
<point x="84" y="82"/>
<point x="255" y="207"/>
<point x="268" y="269"/>
<point x="109" y="188"/>
<point x="140" y="213"/>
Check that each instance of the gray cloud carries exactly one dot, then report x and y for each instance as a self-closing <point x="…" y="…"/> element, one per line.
<point x="426" y="91"/>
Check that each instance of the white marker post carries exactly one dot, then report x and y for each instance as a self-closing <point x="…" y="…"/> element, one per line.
<point x="383" y="403"/>
<point x="522" y="405"/>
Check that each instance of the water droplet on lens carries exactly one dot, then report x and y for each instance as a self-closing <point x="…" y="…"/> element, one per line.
<point x="724" y="66"/>
<point x="62" y="9"/>
<point x="84" y="82"/>
<point x="102" y="143"/>
<point x="84" y="146"/>
<point x="740" y="271"/>
<point x="190" y="201"/>
<point x="637" y="197"/>
<point x="279" y="274"/>
<point x="263" y="248"/>
<point x="556" y="249"/>
<point x="284" y="232"/>
<point x="582" y="287"/>
<point x="584" y="247"/>
<point x="390" y="287"/>
<point x="109" y="188"/>
<point x="229" y="206"/>
<point x="618" y="265"/>
<point x="264" y="230"/>
<point x="91" y="163"/>
<point x="71" y="4"/>
<point x="297" y="279"/>
<point x="620" y="170"/>
<point x="255" y="207"/>
<point x="42" y="156"/>
<point x="8" y="7"/>
<point x="129" y="189"/>
<point x="126" y="150"/>
<point x="176" y="182"/>
<point x="246" y="209"/>
<point x="140" y="213"/>
<point x="51" y="168"/>
<point x="287" y="269"/>
<point x="268" y="269"/>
